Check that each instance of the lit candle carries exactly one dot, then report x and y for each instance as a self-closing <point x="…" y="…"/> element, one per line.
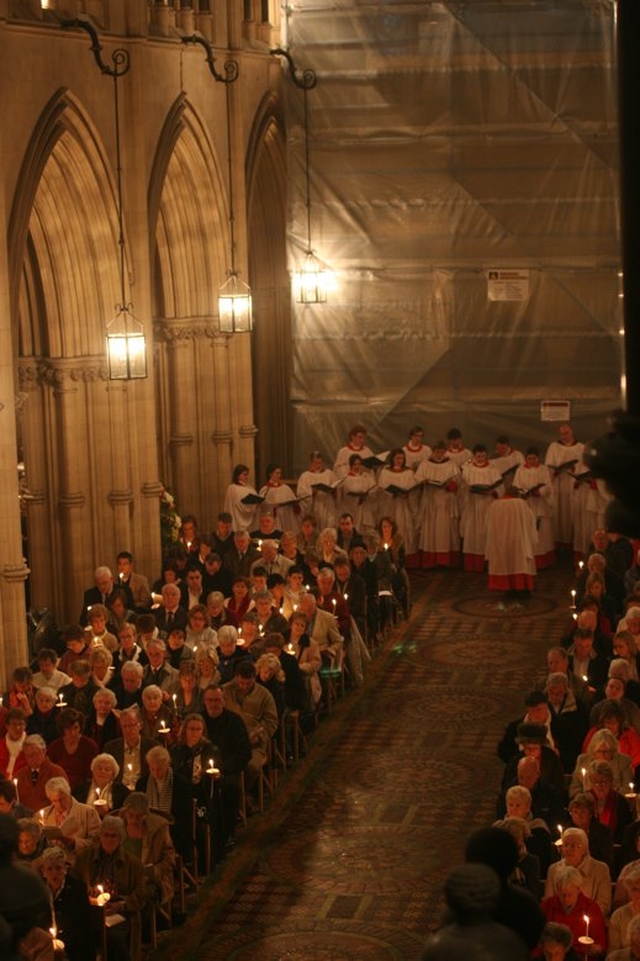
<point x="386" y="547"/>
<point x="580" y="564"/>
<point x="259" y="545"/>
<point x="41" y="814"/>
<point x="15" y="784"/>
<point x="175" y="701"/>
<point x="334" y="602"/>
<point x="584" y="774"/>
<point x="103" y="896"/>
<point x="163" y="729"/>
<point x="295" y="608"/>
<point x="56" y="943"/>
<point x="585" y="678"/>
<point x="61" y="703"/>
<point x="586" y="921"/>
<point x="573" y="598"/>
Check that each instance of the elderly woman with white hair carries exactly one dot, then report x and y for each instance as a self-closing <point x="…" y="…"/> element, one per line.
<point x="539" y="843"/>
<point x="556" y="942"/>
<point x="159" y="721"/>
<point x="102" y="790"/>
<point x="603" y="746"/>
<point x="102" y="723"/>
<point x="596" y="879"/>
<point x="70" y="908"/>
<point x="571" y="906"/>
<point x="619" y="923"/>
<point x="67" y="822"/>
<point x="106" y="864"/>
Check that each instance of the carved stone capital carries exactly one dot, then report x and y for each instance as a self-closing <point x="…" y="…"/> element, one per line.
<point x="61" y="373"/>
<point x="177" y="331"/>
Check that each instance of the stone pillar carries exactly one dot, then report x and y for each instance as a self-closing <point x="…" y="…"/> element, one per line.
<point x="71" y="495"/>
<point x="13" y="570"/>
<point x="120" y="496"/>
<point x="37" y="503"/>
<point x="182" y="412"/>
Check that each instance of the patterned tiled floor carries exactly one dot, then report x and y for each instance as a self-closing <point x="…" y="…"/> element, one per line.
<point x="349" y="861"/>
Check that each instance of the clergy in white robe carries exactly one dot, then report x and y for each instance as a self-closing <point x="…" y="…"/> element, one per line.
<point x="439" y="524"/>
<point x="481" y="484"/>
<point x="242" y="513"/>
<point x="563" y="458"/>
<point x="395" y="482"/>
<point x="511" y="538"/>
<point x="317" y="492"/>
<point x="535" y="487"/>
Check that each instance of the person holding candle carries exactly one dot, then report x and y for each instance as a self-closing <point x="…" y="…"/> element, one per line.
<point x="102" y="670"/>
<point x="103" y="790"/>
<point x="619" y="922"/>
<point x="97" y="633"/>
<point x="596" y="879"/>
<point x="9" y="800"/>
<point x="70" y="908"/>
<point x="582" y="914"/>
<point x="22" y="692"/>
<point x="230" y="652"/>
<point x="106" y="865"/>
<point x="603" y="746"/>
<point x="199" y="634"/>
<point x="102" y="723"/>
<point x="159" y="721"/>
<point x="191" y="758"/>
<point x="131" y="749"/>
<point x="239" y="603"/>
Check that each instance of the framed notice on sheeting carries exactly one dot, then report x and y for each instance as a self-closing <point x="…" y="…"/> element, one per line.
<point x="555" y="410"/>
<point x="507" y="284"/>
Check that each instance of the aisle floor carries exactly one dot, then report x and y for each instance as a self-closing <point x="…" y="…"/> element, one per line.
<point x="349" y="861"/>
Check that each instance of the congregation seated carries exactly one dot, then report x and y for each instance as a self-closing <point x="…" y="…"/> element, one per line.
<point x="97" y="633"/>
<point x="207" y="660"/>
<point x="158" y="671"/>
<point x="48" y="673"/>
<point x="70" y="908"/>
<point x="239" y="603"/>
<point x="38" y="769"/>
<point x="147" y="837"/>
<point x="73" y="750"/>
<point x="188" y="699"/>
<point x="78" y="694"/>
<point x="611" y="807"/>
<point x="11" y="757"/>
<point x="295" y="688"/>
<point x="536" y="712"/>
<point x="526" y="873"/>
<point x="570" y="905"/>
<point x="569" y="719"/>
<point x="603" y="746"/>
<point x="230" y="652"/>
<point x="104" y="865"/>
<point x="128" y="687"/>
<point x="619" y="922"/>
<point x="102" y="724"/>
<point x="228" y="732"/>
<point x="538" y="841"/>
<point x="532" y="741"/>
<point x="595" y="874"/>
<point x="101" y="664"/>
<point x="169" y="792"/>
<point x="615" y="691"/>
<point x="131" y="748"/>
<point x="546" y="800"/>
<point x="68" y="823"/>
<point x="582" y="809"/>
<point x="43" y="720"/>
<point x="9" y="803"/>
<point x="158" y="717"/>
<point x="102" y="790"/>
<point x="611" y="716"/>
<point x="256" y="707"/>
<point x="199" y="633"/>
<point x="31" y="842"/>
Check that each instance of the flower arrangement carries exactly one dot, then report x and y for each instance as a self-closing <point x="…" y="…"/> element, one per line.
<point x="170" y="521"/>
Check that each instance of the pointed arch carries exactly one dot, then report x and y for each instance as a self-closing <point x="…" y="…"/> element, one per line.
<point x="187" y="217"/>
<point x="64" y="264"/>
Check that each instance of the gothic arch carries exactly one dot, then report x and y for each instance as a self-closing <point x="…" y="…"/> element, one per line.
<point x="83" y="454"/>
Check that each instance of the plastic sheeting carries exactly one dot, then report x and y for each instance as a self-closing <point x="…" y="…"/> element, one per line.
<point x="448" y="140"/>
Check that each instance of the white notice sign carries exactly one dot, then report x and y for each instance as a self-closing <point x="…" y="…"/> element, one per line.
<point x="507" y="284"/>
